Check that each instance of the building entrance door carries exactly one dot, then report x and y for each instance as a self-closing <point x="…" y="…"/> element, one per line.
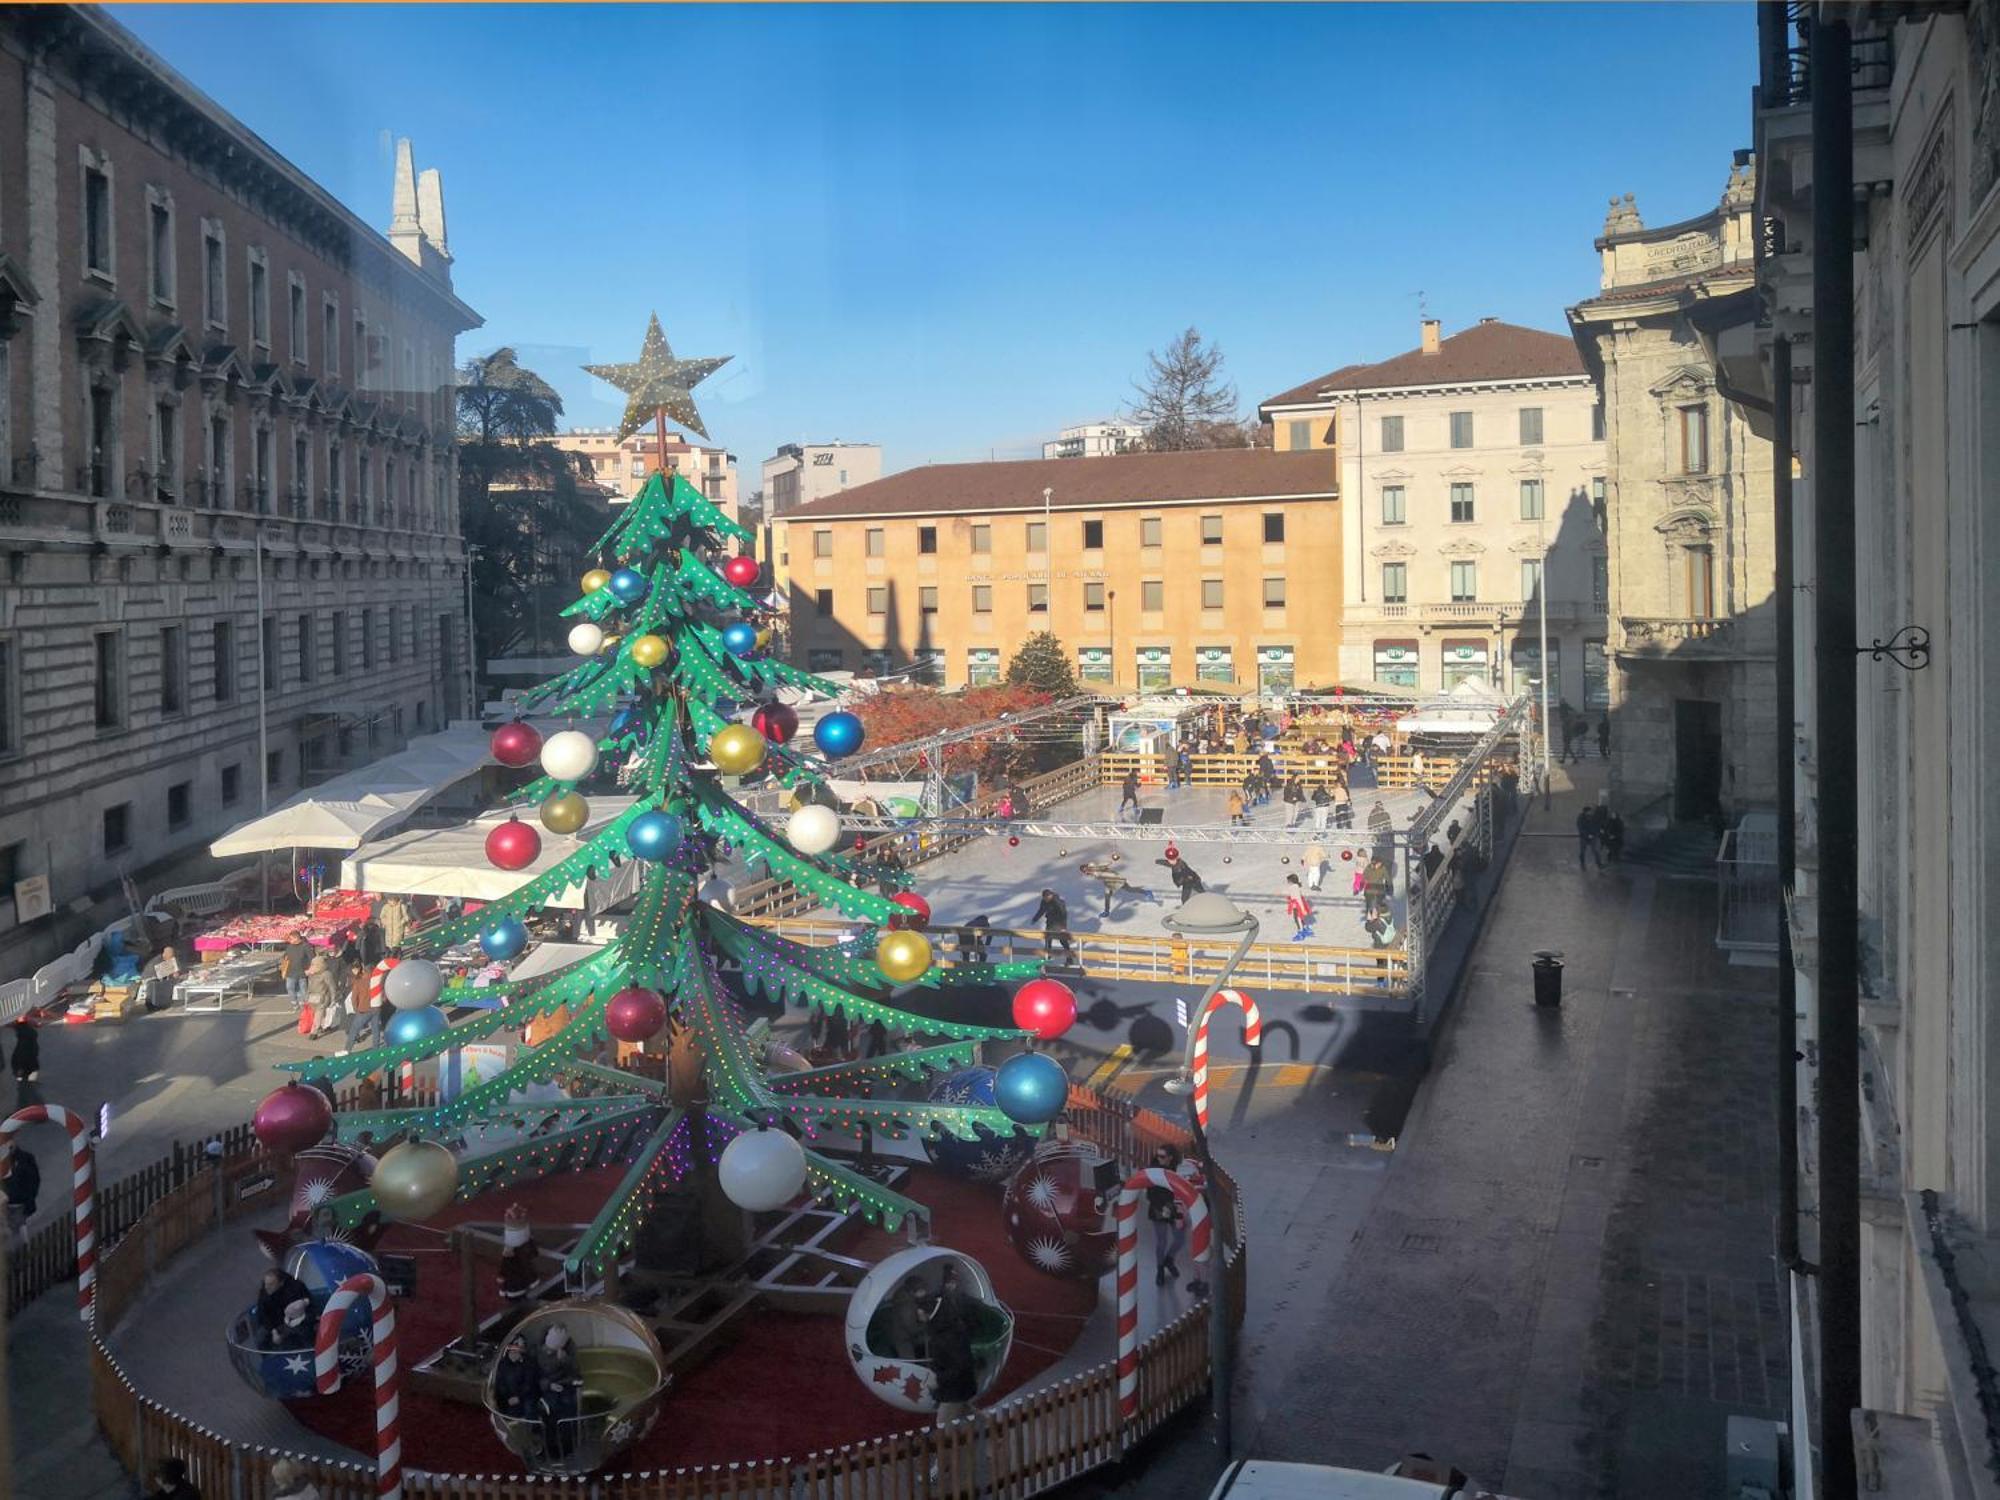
<point x="1697" y="760"/>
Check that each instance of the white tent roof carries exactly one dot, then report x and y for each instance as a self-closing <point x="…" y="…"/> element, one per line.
<point x="452" y="862"/>
<point x="1471" y="707"/>
<point x="546" y="958"/>
<point x="345" y="812"/>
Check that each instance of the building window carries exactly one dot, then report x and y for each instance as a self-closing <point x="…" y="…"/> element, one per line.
<point x="877" y="542"/>
<point x="1274" y="593"/>
<point x="1531" y="426"/>
<point x="1211" y="593"/>
<point x="1596" y="676"/>
<point x="1038" y="536"/>
<point x="1531" y="578"/>
<point x="329" y="333"/>
<point x="118" y="828"/>
<point x="338" y="642"/>
<point x="823" y="602"/>
<point x="1694" y="439"/>
<point x="1461" y="502"/>
<point x="1396" y="663"/>
<point x="1531" y="499"/>
<point x="109" y="689"/>
<point x="1600" y="580"/>
<point x="166" y="450"/>
<point x="214" y="276"/>
<point x="222" y="653"/>
<point x="982" y="598"/>
<point x="1461" y="429"/>
<point x="267" y="651"/>
<point x="296" y="292"/>
<point x="1299" y="435"/>
<point x="1153" y="596"/>
<point x="159" y="248"/>
<point x="1597" y="422"/>
<point x="982" y="538"/>
<point x="1038" y="598"/>
<point x="822" y="544"/>
<point x="261" y="467"/>
<point x="1093" y="541"/>
<point x="306" y="662"/>
<point x="173" y="669"/>
<point x="1214" y="664"/>
<point x="1093" y="664"/>
<point x="823" y="659"/>
<point x="1149" y="531"/>
<point x="260" y="300"/>
<point x="274" y="765"/>
<point x="1395" y="583"/>
<point x="1464" y="582"/>
<point x="927" y="600"/>
<point x="1597" y="502"/>
<point x="1211" y="531"/>
<point x="1698" y="564"/>
<point x="180" y="804"/>
<point x="982" y="666"/>
<point x="361" y="361"/>
<point x="878" y="601"/>
<point x="333" y="486"/>
<point x="1274" y="526"/>
<point x="1155" y="669"/>
<point x="1392" y="434"/>
<point x="97" y="227"/>
<point x="1093" y="597"/>
<point x="927" y="540"/>
<point x="302" y="471"/>
<point x="232" y="785"/>
<point x="367" y="638"/>
<point x="10" y="696"/>
<point x="103" y="439"/>
<point x="1393" y="512"/>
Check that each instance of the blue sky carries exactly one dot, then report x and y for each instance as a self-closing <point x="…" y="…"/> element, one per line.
<point x="952" y="229"/>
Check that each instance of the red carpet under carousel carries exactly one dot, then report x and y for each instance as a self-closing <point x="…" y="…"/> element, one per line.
<point x="781" y="1386"/>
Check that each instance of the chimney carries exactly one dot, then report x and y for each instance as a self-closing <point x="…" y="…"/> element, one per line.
<point x="1430" y="335"/>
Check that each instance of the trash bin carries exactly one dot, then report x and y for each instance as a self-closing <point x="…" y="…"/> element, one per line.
<point x="1548" y="978"/>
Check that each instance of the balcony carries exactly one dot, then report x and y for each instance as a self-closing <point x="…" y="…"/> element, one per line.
<point x="1654" y="638"/>
<point x="1495" y="613"/>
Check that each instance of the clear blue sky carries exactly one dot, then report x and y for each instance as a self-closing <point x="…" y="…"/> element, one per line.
<point x="952" y="229"/>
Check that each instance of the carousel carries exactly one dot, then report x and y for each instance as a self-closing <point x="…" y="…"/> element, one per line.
<point x="597" y="1376"/>
<point x="885" y="1338"/>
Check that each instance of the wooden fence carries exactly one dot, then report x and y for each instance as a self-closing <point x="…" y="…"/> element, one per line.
<point x="1398" y="771"/>
<point x="1019" y="1447"/>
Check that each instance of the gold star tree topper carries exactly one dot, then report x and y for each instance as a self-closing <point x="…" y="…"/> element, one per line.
<point x="659" y="382"/>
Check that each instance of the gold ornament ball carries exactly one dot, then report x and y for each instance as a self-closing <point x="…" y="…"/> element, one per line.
<point x="736" y="749"/>
<point x="649" y="650"/>
<point x="903" y="955"/>
<point x="764" y="639"/>
<point x="565" y="812"/>
<point x="414" y="1180"/>
<point x="594" y="580"/>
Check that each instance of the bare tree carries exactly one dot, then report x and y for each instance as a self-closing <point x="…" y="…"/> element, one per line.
<point x="1184" y="402"/>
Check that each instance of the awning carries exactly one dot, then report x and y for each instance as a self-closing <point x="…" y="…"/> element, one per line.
<point x="452" y="862"/>
<point x="355" y="806"/>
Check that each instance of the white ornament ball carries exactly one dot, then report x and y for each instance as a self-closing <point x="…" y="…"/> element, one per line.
<point x="813" y="829"/>
<point x="413" y="984"/>
<point x="570" y="755"/>
<point x="586" y="639"/>
<point x="762" y="1170"/>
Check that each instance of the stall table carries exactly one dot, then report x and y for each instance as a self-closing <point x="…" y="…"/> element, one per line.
<point x="238" y="974"/>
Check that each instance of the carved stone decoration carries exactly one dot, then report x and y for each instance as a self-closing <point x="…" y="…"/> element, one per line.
<point x="1686" y="526"/>
<point x="1982" y="37"/>
<point x="1465" y="547"/>
<point x="1527" y="546"/>
<point x="1393" y="549"/>
<point x="1927" y="195"/>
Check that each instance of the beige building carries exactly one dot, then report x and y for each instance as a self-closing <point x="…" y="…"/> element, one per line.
<point x="619" y="469"/>
<point x="1155" y="570"/>
<point x="1689" y="516"/>
<point x="228" y="492"/>
<point x="1471" y="466"/>
<point x="800" y="473"/>
<point x="1095" y="440"/>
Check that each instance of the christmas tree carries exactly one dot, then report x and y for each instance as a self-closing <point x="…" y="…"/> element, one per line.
<point x="671" y="645"/>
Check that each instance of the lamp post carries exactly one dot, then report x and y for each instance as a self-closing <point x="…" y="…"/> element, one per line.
<point x="1542" y="600"/>
<point x="1111" y="632"/>
<point x="1212" y="914"/>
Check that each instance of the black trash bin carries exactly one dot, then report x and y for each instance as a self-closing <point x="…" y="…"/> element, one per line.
<point x="1548" y="978"/>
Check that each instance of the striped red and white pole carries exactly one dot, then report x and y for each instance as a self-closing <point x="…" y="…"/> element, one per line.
<point x="388" y="1374"/>
<point x="376" y="976"/>
<point x="1253" y="1036"/>
<point x="1186" y="1191"/>
<point x="83" y="1189"/>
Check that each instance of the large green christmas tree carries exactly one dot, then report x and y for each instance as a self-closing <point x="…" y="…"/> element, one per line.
<point x="674" y="679"/>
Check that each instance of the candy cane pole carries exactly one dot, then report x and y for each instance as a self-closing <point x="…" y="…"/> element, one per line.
<point x="388" y="1375"/>
<point x="1188" y="1194"/>
<point x="83" y="1189"/>
<point x="1253" y="1035"/>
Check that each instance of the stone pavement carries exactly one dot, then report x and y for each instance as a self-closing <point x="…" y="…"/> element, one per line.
<point x="1563" y="1281"/>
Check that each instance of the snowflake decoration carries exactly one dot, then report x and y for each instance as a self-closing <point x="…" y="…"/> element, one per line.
<point x="1048" y="1254"/>
<point x="992" y="1164"/>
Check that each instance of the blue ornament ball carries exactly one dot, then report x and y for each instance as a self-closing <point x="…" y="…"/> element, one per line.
<point x="628" y="586"/>
<point x="654" y="835"/>
<point x="504" y="939"/>
<point x="408" y="1026"/>
<point x="838" y="734"/>
<point x="989" y="1158"/>
<point x="739" y="639"/>
<point x="1031" y="1088"/>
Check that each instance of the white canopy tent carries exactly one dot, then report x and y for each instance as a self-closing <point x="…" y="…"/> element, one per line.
<point x="1470" y="708"/>
<point x="357" y="805"/>
<point x="452" y="862"/>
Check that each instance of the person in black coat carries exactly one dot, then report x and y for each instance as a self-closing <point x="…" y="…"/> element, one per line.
<point x="517" y="1382"/>
<point x="27" y="1051"/>
<point x="23" y="1185"/>
<point x="956" y="1372"/>
<point x="279" y="1291"/>
<point x="1183" y="876"/>
<point x="1053" y="914"/>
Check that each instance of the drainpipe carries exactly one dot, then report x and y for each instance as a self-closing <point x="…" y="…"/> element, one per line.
<point x="1786" y="600"/>
<point x="1834" y="668"/>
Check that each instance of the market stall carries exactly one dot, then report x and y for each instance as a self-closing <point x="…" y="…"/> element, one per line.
<point x="334" y="918"/>
<point x="447" y="862"/>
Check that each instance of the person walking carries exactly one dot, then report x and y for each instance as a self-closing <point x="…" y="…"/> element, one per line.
<point x="1322" y="807"/>
<point x="1053" y="914"/>
<point x="1604" y="736"/>
<point x="1586" y="838"/>
<point x="395" y="920"/>
<point x="1128" y="794"/>
<point x="23" y="1187"/>
<point x="1343" y="806"/>
<point x="1298" y="908"/>
<point x="1295" y="800"/>
<point x="170" y="1481"/>
<point x="1164" y="1213"/>
<point x="322" y="995"/>
<point x="1315" y="865"/>
<point x="1237" y="803"/>
<point x="27" y="1052"/>
<point x="1376" y="883"/>
<point x="1185" y="762"/>
<point x="1611" y="834"/>
<point x="297" y="960"/>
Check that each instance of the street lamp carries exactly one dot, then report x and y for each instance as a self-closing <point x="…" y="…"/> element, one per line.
<point x="1212" y="914"/>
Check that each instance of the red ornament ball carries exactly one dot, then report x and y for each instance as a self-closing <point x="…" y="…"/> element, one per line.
<point x="635" y="1014"/>
<point x="1347" y="854"/>
<point x="1173" y="851"/>
<point x="1013" y="841"/>
<point x="860" y="842"/>
<point x="777" y="722"/>
<point x="1056" y="1217"/>
<point x="292" y="1118"/>
<point x="1047" y="1007"/>
<point x="516" y="744"/>
<point x="741" y="571"/>
<point x="514" y="845"/>
<point x="918" y="908"/>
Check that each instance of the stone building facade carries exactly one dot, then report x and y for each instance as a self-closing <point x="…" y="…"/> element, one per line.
<point x="221" y="393"/>
<point x="1687" y="516"/>
<point x="800" y="473"/>
<point x="618" y="468"/>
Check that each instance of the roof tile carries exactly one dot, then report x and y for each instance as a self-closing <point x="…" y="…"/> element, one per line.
<point x="1485" y="351"/>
